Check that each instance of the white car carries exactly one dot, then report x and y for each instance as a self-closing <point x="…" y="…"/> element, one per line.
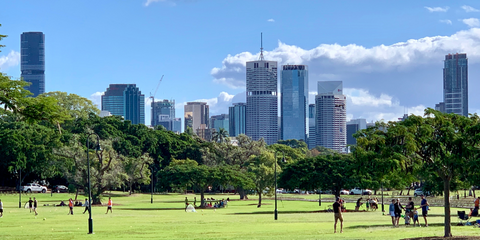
<point x="34" y="187"/>
<point x="344" y="192"/>
<point x="359" y="191"/>
<point x="420" y="192"/>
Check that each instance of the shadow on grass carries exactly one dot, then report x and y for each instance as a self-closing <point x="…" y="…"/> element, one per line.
<point x="282" y="212"/>
<point x="149" y="209"/>
<point x="401" y="226"/>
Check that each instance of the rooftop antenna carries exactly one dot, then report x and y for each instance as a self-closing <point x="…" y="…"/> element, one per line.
<point x="261" y="47"/>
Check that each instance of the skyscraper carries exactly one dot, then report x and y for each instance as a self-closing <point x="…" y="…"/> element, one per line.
<point x="455" y="84"/>
<point x="196" y="114"/>
<point x="353" y="126"/>
<point x="33" y="61"/>
<point x="331" y="115"/>
<point x="219" y="121"/>
<point x="236" y="119"/>
<point x="294" y="102"/>
<point x="262" y="100"/>
<point x="164" y="107"/>
<point x="125" y="100"/>
<point x="312" y="141"/>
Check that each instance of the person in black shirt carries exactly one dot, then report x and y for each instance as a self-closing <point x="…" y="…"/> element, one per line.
<point x="337" y="211"/>
<point x="398" y="210"/>
<point x="357" y="207"/>
<point x="410" y="207"/>
<point x="35" y="204"/>
<point x="30" y="204"/>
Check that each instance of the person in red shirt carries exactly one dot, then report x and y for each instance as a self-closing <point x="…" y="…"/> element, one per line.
<point x="110" y="204"/>
<point x="70" y="205"/>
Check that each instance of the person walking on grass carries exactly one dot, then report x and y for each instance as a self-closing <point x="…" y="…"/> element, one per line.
<point x="85" y="205"/>
<point x="337" y="211"/>
<point x="30" y="204"/>
<point x="35" y="205"/>
<point x="391" y="211"/>
<point x="398" y="211"/>
<point x="424" y="205"/>
<point x="1" y="208"/>
<point x="70" y="205"/>
<point x="109" y="205"/>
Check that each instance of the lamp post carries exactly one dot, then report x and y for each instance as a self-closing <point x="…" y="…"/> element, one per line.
<point x="97" y="148"/>
<point x="283" y="160"/>
<point x="319" y="197"/>
<point x="151" y="198"/>
<point x="383" y="207"/>
<point x="20" y="189"/>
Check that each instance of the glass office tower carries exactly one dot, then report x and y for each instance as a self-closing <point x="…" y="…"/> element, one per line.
<point x="294" y="102"/>
<point x="33" y="61"/>
<point x="236" y="115"/>
<point x="125" y="100"/>
<point x="455" y="84"/>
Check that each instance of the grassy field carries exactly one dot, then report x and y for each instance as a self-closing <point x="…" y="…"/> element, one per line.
<point x="135" y="217"/>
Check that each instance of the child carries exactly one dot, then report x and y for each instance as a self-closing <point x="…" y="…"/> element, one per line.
<point x="415" y="217"/>
<point x="407" y="219"/>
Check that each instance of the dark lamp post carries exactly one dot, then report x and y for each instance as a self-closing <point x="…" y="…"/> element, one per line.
<point x="383" y="207"/>
<point x="283" y="160"/>
<point x="19" y="189"/>
<point x="97" y="148"/>
<point x="151" y="197"/>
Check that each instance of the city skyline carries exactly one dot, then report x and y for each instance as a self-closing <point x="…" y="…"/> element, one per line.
<point x="370" y="64"/>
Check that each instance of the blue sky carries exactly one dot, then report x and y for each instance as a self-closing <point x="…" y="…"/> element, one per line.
<point x="388" y="53"/>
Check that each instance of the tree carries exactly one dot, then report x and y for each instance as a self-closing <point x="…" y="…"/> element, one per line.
<point x="136" y="170"/>
<point x="444" y="145"/>
<point x="221" y="136"/>
<point x="261" y="168"/>
<point x="76" y="106"/>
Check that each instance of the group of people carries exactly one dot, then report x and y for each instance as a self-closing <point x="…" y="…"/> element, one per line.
<point x="32" y="205"/>
<point x="370" y="203"/>
<point x="411" y="213"/>
<point x="208" y="203"/>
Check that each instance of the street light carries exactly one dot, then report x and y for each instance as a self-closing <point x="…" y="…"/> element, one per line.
<point x="97" y="148"/>
<point x="19" y="189"/>
<point x="283" y="160"/>
<point x="383" y="208"/>
<point x="151" y="198"/>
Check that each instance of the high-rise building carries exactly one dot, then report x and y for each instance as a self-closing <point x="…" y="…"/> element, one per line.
<point x="353" y="126"/>
<point x="125" y="100"/>
<point x="311" y="127"/>
<point x="455" y="84"/>
<point x="32" y="51"/>
<point x="294" y="102"/>
<point x="171" y="124"/>
<point x="262" y="100"/>
<point x="164" y="107"/>
<point x="195" y="114"/>
<point x="236" y="121"/>
<point x="440" y="106"/>
<point x="204" y="132"/>
<point x="331" y="115"/>
<point x="219" y="121"/>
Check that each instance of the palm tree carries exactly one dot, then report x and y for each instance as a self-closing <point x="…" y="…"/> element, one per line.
<point x="221" y="136"/>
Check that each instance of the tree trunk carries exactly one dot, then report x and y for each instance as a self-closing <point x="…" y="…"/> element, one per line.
<point x="242" y="194"/>
<point x="474" y="193"/>
<point x="76" y="195"/>
<point x="401" y="191"/>
<point x="408" y="193"/>
<point x="259" y="199"/>
<point x="202" y="197"/>
<point x="446" y="198"/>
<point x="130" y="188"/>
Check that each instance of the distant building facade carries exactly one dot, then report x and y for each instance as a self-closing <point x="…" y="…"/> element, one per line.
<point x="32" y="66"/>
<point x="164" y="107"/>
<point x="236" y="115"/>
<point x="294" y="102"/>
<point x="220" y="121"/>
<point x="196" y="114"/>
<point x="331" y="115"/>
<point x="312" y="141"/>
<point x="455" y="84"/>
<point x="204" y="132"/>
<point x="125" y="100"/>
<point x="171" y="124"/>
<point x="440" y="106"/>
<point x="353" y="126"/>
<point x="262" y="101"/>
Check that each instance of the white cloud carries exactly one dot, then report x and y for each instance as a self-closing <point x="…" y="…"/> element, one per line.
<point x="446" y="21"/>
<point x="148" y="2"/>
<point x="469" y="9"/>
<point x="437" y="9"/>
<point x="471" y="22"/>
<point x="11" y="60"/>
<point x="271" y="20"/>
<point x="96" y="98"/>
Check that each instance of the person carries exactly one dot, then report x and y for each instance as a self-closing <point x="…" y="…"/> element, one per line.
<point x="474" y="212"/>
<point x="357" y="206"/>
<point x="391" y="211"/>
<point x="398" y="211"/>
<point x="424" y="205"/>
<point x="194" y="201"/>
<point x="35" y="204"/>
<point x="367" y="203"/>
<point x="409" y="208"/>
<point x="1" y="208"/>
<point x="61" y="204"/>
<point x="109" y="205"/>
<point x="415" y="217"/>
<point x="186" y="202"/>
<point x="407" y="219"/>
<point x="30" y="204"/>
<point x="337" y="211"/>
<point x="70" y="205"/>
<point x="85" y="205"/>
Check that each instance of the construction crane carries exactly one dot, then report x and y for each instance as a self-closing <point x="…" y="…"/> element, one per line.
<point x="153" y="101"/>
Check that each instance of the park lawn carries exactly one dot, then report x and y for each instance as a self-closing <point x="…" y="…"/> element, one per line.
<point x="135" y="217"/>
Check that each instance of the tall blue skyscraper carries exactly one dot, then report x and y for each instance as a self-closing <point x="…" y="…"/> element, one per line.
<point x="294" y="102"/>
<point x="236" y="116"/>
<point x="312" y="140"/>
<point x="455" y="84"/>
<point x="32" y="65"/>
<point x="125" y="100"/>
<point x="164" y="107"/>
<point x="219" y="121"/>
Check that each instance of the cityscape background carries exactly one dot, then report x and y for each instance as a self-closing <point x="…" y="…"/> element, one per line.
<point x="389" y="56"/>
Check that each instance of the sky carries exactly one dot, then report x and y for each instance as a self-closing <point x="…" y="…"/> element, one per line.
<point x="389" y="54"/>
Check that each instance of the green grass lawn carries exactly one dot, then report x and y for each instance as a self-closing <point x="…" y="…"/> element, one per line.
<point x="135" y="217"/>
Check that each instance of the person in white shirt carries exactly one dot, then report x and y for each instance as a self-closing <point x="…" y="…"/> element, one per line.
<point x="85" y="205"/>
<point x="1" y="208"/>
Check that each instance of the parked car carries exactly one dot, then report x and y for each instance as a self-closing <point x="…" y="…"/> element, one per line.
<point x="281" y="190"/>
<point x="420" y="192"/>
<point x="359" y="191"/>
<point x="34" y="187"/>
<point x="60" y="189"/>
<point x="344" y="192"/>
